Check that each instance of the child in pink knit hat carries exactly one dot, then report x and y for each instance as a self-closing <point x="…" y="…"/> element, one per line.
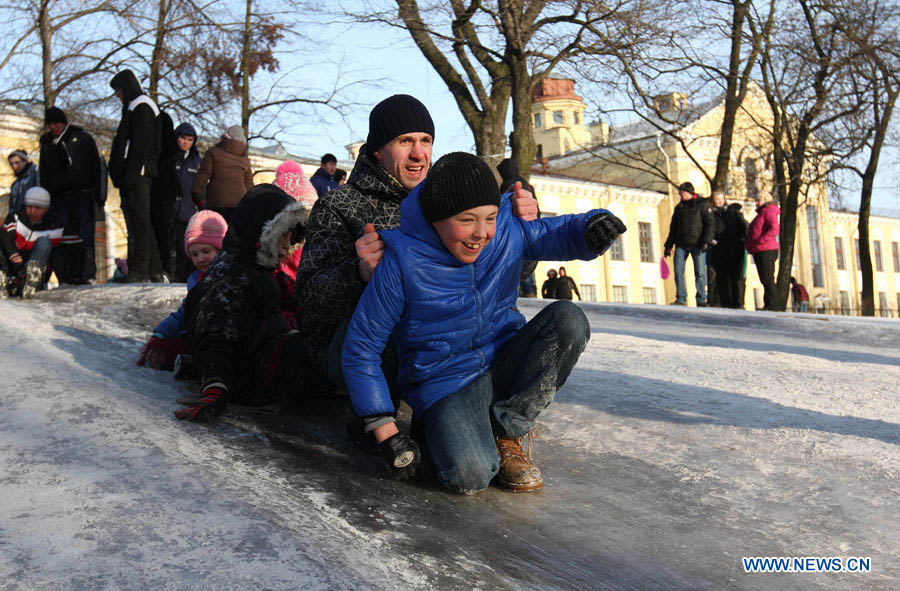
<point x="289" y="176"/>
<point x="202" y="242"/>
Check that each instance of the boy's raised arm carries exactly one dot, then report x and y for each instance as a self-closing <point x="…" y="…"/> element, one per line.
<point x="566" y="237"/>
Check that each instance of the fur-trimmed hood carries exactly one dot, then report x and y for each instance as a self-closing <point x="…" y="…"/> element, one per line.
<point x="261" y="218"/>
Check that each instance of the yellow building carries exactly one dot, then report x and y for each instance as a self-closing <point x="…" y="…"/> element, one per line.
<point x="650" y="163"/>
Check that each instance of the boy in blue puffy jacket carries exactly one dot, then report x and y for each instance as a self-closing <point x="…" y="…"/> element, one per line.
<point x="475" y="374"/>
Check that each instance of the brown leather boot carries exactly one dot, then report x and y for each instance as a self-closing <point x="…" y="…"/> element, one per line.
<point x="517" y="472"/>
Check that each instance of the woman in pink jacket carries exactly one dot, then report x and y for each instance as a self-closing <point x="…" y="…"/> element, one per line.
<point x="762" y="243"/>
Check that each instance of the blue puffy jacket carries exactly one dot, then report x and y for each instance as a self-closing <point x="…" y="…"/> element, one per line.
<point x="173" y="324"/>
<point x="447" y="319"/>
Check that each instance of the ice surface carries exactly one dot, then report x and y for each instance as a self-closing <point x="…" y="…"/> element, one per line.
<point x="684" y="440"/>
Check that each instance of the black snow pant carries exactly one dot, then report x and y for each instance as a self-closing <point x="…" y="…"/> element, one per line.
<point x="162" y="217"/>
<point x="76" y="261"/>
<point x="183" y="265"/>
<point x="765" y="266"/>
<point x="143" y="256"/>
<point x="279" y="378"/>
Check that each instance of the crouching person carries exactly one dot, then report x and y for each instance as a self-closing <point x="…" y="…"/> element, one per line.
<point x="475" y="374"/>
<point x="202" y="242"/>
<point x="27" y="241"/>
<point x="241" y="345"/>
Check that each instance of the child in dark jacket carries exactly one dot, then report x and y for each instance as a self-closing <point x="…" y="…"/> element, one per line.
<point x="202" y="243"/>
<point x="475" y="374"/>
<point x="242" y="347"/>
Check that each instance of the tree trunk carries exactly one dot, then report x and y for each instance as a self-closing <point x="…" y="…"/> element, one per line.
<point x="46" y="33"/>
<point x="523" y="148"/>
<point x="490" y="139"/>
<point x="245" y="70"/>
<point x="159" y="44"/>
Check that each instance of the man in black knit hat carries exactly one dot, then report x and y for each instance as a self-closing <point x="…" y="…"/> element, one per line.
<point x="342" y="246"/>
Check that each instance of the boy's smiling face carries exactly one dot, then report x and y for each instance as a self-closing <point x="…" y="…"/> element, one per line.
<point x="467" y="233"/>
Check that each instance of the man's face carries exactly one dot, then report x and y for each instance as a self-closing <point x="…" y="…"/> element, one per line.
<point x="36" y="213"/>
<point x="16" y="163"/>
<point x="56" y="128"/>
<point x="551" y="274"/>
<point x="185" y="142"/>
<point x="329" y="167"/>
<point x="120" y="95"/>
<point x="718" y="199"/>
<point x="562" y="271"/>
<point x="406" y="158"/>
<point x="685" y="196"/>
<point x="467" y="233"/>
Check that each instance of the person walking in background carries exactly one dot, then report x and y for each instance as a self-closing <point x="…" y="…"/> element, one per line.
<point x="186" y="167"/>
<point x="799" y="296"/>
<point x="690" y="233"/>
<point x="224" y="173"/>
<point x="133" y="163"/>
<point x="565" y="285"/>
<point x="727" y="254"/>
<point x="548" y="289"/>
<point x="324" y="179"/>
<point x="26" y="173"/>
<point x="162" y="197"/>
<point x="762" y="243"/>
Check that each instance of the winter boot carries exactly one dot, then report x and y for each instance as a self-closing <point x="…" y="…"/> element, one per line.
<point x="517" y="472"/>
<point x="4" y="292"/>
<point x="33" y="274"/>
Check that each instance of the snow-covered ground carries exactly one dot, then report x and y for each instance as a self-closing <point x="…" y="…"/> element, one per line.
<point x="684" y="440"/>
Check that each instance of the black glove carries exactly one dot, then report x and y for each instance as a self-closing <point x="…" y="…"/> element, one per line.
<point x="401" y="454"/>
<point x="601" y="232"/>
<point x="211" y="405"/>
<point x="668" y="251"/>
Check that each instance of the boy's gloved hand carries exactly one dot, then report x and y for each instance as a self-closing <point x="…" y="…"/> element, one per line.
<point x="601" y="232"/>
<point x="401" y="454"/>
<point x="211" y="405"/>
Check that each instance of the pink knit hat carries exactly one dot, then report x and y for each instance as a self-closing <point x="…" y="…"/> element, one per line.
<point x="205" y="227"/>
<point x="289" y="177"/>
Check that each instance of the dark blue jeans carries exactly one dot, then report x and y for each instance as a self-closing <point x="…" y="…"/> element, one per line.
<point x="699" y="257"/>
<point x="506" y="400"/>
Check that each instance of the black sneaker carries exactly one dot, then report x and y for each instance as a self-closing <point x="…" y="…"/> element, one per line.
<point x="185" y="368"/>
<point x="678" y="303"/>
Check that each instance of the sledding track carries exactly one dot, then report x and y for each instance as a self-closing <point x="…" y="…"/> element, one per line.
<point x="684" y="440"/>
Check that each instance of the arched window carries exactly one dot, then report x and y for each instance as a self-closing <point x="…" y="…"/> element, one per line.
<point x="751" y="178"/>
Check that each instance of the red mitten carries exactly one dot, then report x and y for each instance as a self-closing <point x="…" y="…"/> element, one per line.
<point x="211" y="405"/>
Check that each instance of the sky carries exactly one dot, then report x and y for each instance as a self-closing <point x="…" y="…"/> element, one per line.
<point x="390" y="61"/>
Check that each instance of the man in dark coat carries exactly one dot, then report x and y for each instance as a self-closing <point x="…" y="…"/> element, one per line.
<point x="727" y="254"/>
<point x="565" y="285"/>
<point x="325" y="179"/>
<point x="71" y="172"/>
<point x="548" y="289"/>
<point x="163" y="191"/>
<point x="242" y="346"/>
<point x="133" y="164"/>
<point x="691" y="233"/>
<point x="26" y="173"/>
<point x="186" y="165"/>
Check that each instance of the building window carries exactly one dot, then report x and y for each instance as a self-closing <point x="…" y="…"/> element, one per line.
<point x="858" y="262"/>
<point x="537" y="119"/>
<point x="558" y="117"/>
<point x="577" y="117"/>
<point x="845" y="303"/>
<point x="650" y="295"/>
<point x="588" y="292"/>
<point x="883" y="305"/>
<point x="839" y="253"/>
<point x="876" y="252"/>
<point x="751" y="177"/>
<point x="617" y="251"/>
<point x="895" y="252"/>
<point x="815" y="251"/>
<point x="645" y="237"/>
<point x="620" y="294"/>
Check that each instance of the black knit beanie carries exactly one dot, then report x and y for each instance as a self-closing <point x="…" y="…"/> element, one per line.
<point x="55" y="115"/>
<point x="455" y="183"/>
<point x="688" y="187"/>
<point x="395" y="116"/>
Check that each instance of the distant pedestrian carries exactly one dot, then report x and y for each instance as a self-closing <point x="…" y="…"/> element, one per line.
<point x="26" y="173"/>
<point x="799" y="296"/>
<point x="565" y="285"/>
<point x="133" y="163"/>
<point x="324" y="179"/>
<point x="548" y="289"/>
<point x="226" y="169"/>
<point x="690" y="234"/>
<point x="187" y="165"/>
<point x="727" y="254"/>
<point x="762" y="243"/>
